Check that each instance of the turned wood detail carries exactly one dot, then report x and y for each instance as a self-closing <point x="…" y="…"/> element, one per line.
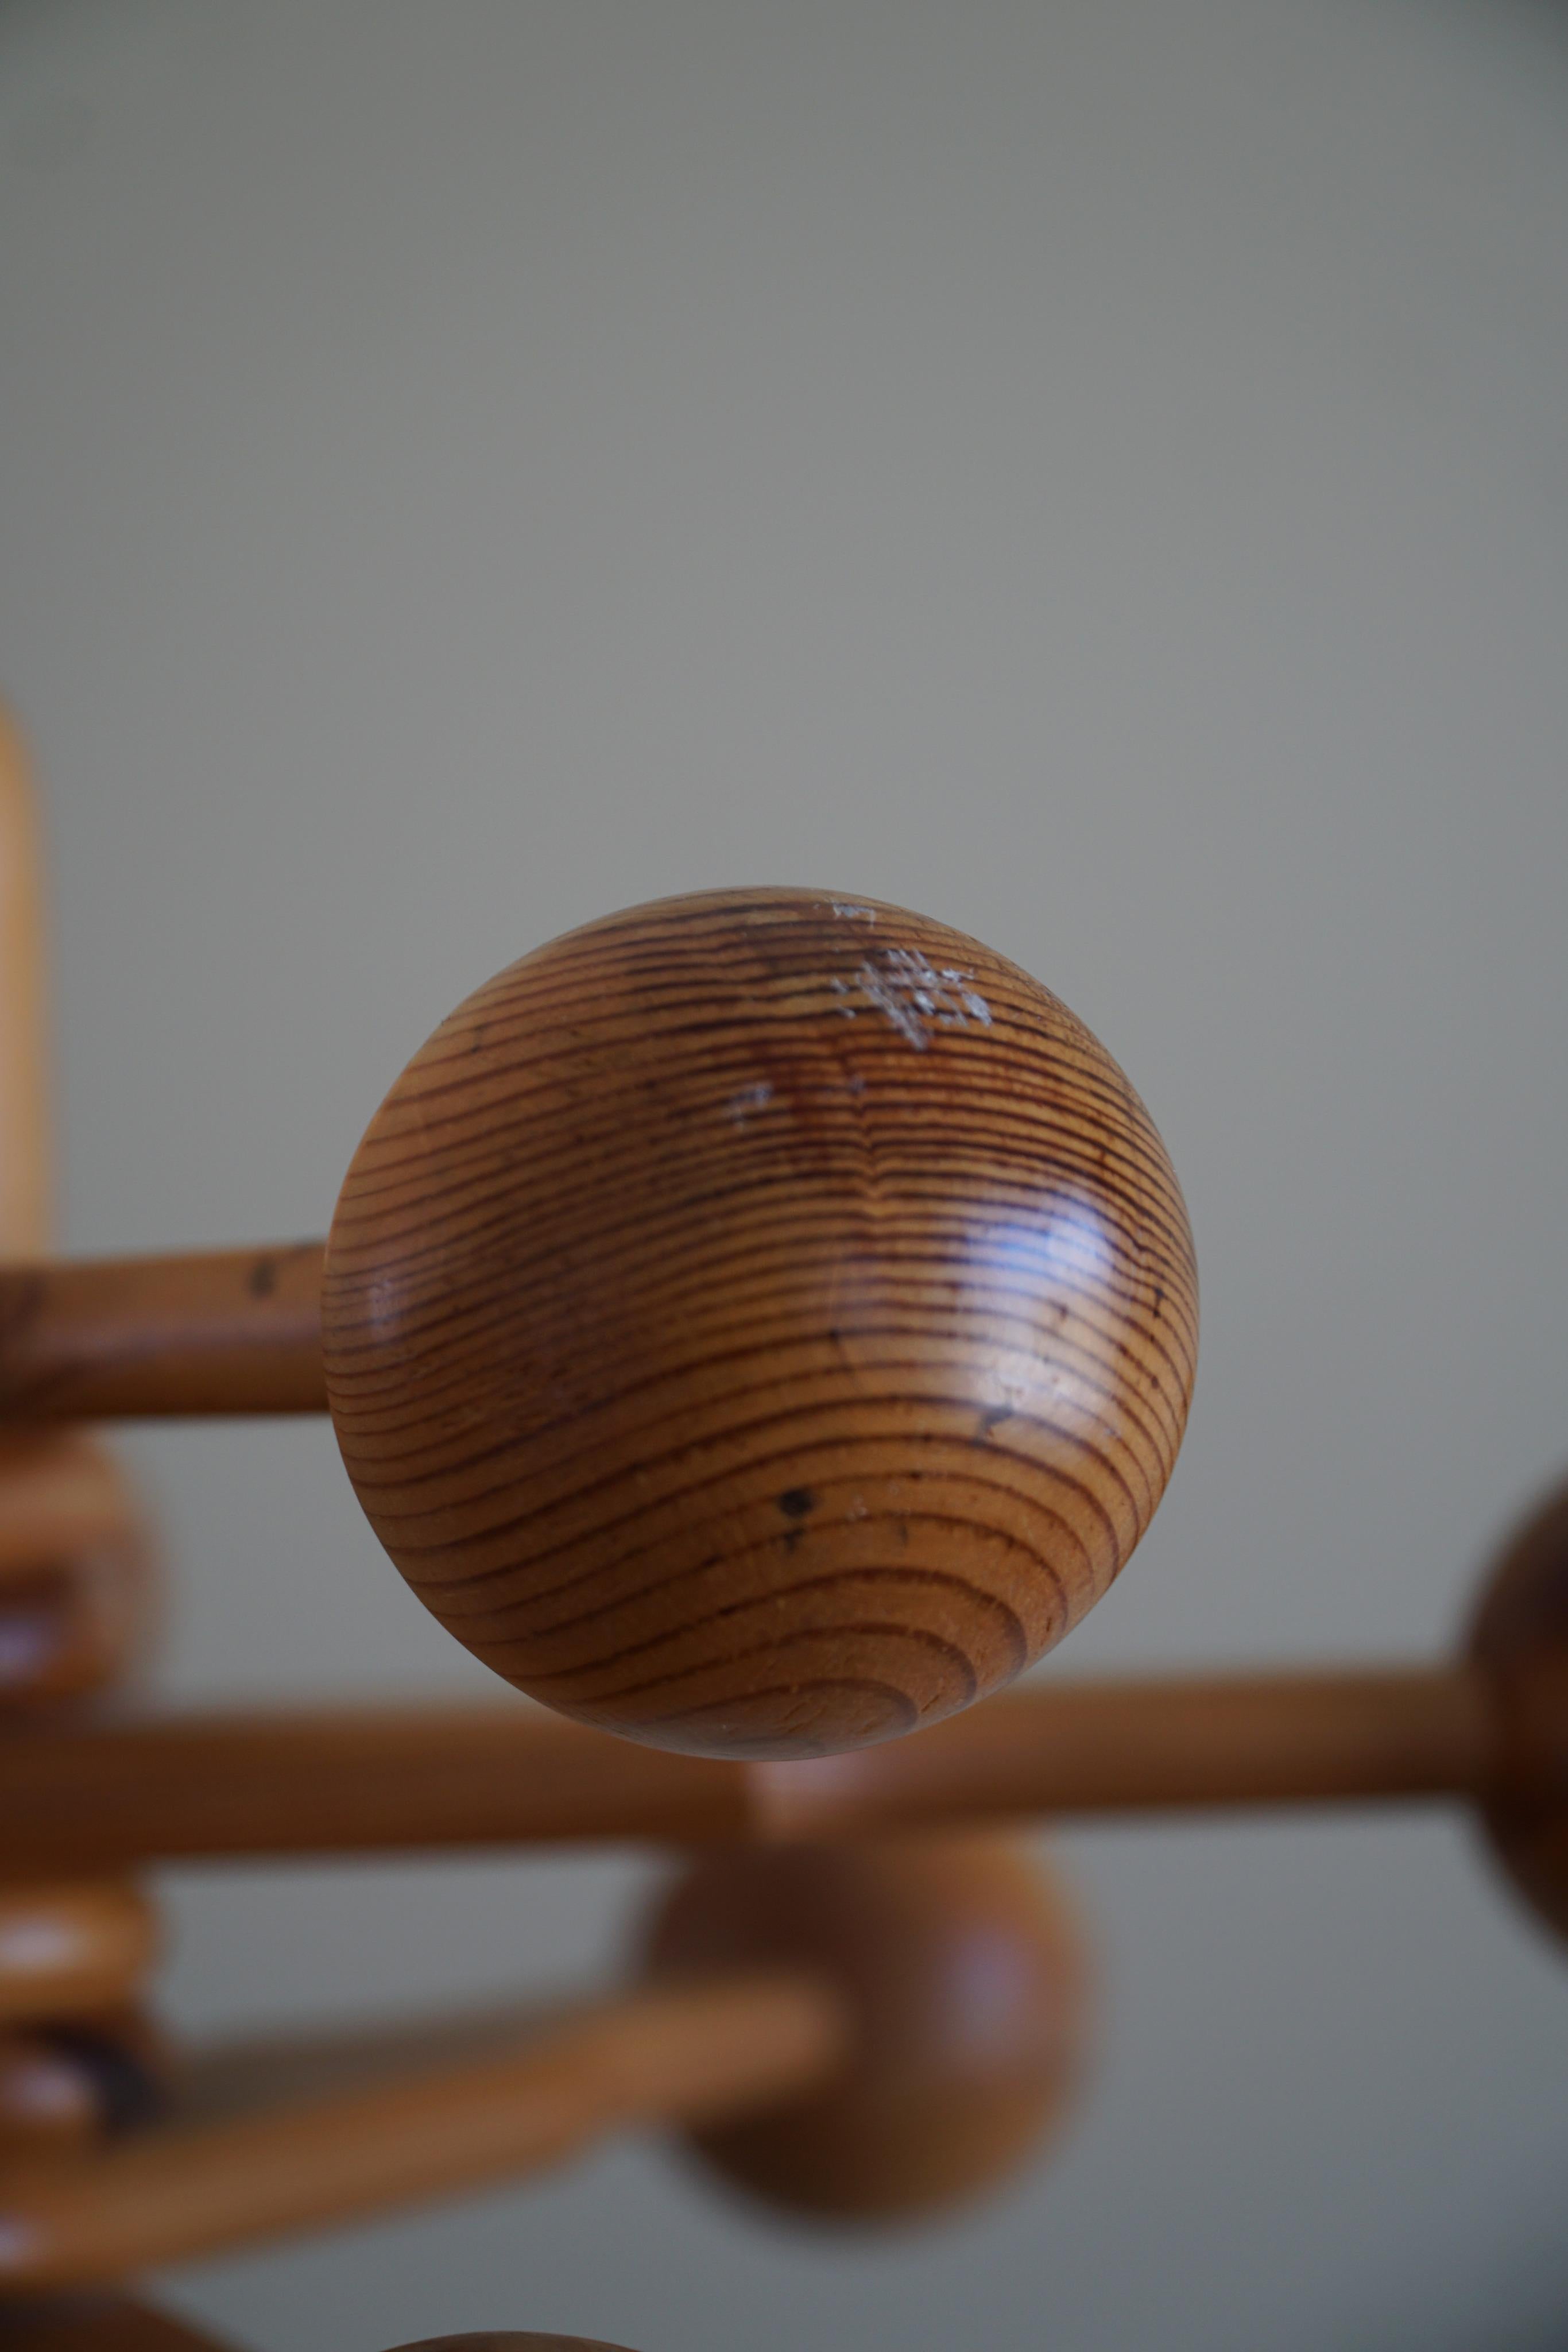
<point x="760" y="1323"/>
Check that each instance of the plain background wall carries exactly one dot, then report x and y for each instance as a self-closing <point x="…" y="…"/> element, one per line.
<point x="1099" y="472"/>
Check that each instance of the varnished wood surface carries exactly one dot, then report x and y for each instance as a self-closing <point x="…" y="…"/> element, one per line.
<point x="1520" y="1638"/>
<point x="760" y="1322"/>
<point x="223" y="1331"/>
<point x="97" y="2324"/>
<point x="69" y="1950"/>
<point x="413" y="1778"/>
<point x="665" y="2053"/>
<point x="962" y="1969"/>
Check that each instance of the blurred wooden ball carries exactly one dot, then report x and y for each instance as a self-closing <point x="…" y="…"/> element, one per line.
<point x="510" y="2343"/>
<point x="1519" y="1636"/>
<point x="760" y="1323"/>
<point x="964" y="1968"/>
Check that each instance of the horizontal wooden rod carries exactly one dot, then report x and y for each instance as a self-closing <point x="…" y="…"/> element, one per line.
<point x="1382" y="1736"/>
<point x="230" y="1332"/>
<point x="84" y="1797"/>
<point x="216" y="1787"/>
<point x="677" y="2054"/>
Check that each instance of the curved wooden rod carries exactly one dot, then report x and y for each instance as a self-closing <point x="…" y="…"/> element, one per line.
<point x="680" y="2054"/>
<point x="213" y="1787"/>
<point x="223" y="1331"/>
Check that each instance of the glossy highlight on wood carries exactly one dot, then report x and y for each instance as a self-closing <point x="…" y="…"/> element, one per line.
<point x="964" y="1970"/>
<point x="70" y="1950"/>
<point x="760" y="1323"/>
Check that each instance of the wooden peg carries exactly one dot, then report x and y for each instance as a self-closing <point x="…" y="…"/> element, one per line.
<point x="962" y="1964"/>
<point x="70" y="1950"/>
<point x="218" y="1331"/>
<point x="760" y="1323"/>
<point x="1519" y="1640"/>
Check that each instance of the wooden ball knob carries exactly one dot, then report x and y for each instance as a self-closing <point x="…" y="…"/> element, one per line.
<point x="760" y="1323"/>
<point x="963" y="1970"/>
<point x="1519" y="1636"/>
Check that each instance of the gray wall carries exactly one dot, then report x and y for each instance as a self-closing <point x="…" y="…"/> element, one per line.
<point x="1098" y="472"/>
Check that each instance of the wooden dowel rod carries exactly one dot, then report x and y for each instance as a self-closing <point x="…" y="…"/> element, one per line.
<point x="226" y="1786"/>
<point x="205" y="1787"/>
<point x="230" y="1332"/>
<point x="1164" y="1746"/>
<point x="680" y="2054"/>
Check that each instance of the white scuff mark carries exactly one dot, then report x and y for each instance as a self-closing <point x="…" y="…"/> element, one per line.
<point x="841" y="989"/>
<point x="884" y="992"/>
<point x="852" y="914"/>
<point x="909" y="992"/>
<point x="748" y="1100"/>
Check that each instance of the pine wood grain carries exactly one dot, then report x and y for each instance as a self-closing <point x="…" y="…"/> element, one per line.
<point x="760" y="1323"/>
